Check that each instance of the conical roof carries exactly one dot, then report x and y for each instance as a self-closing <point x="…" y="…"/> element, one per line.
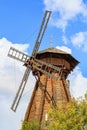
<point x="58" y="54"/>
<point x="53" y="50"/>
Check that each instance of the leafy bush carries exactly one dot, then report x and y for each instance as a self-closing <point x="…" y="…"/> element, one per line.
<point x="72" y="117"/>
<point x="31" y="125"/>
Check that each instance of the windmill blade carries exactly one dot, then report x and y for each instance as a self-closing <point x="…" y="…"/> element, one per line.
<point x="18" y="55"/>
<point x="49" y="65"/>
<point x="41" y="32"/>
<point x="43" y="67"/>
<point x="13" y="53"/>
<point x="20" y="90"/>
<point x="44" y="72"/>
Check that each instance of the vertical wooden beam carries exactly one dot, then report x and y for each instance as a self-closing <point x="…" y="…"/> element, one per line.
<point x="43" y="100"/>
<point x="31" y="102"/>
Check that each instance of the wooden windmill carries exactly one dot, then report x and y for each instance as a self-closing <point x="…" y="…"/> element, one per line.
<point x="51" y="68"/>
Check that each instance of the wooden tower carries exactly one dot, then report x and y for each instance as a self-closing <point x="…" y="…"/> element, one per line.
<point x="47" y="90"/>
<point x="51" y="68"/>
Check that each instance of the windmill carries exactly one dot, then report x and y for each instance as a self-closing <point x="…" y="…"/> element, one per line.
<point x="51" y="68"/>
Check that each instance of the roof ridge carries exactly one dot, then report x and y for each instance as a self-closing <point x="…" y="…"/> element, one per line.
<point x="53" y="50"/>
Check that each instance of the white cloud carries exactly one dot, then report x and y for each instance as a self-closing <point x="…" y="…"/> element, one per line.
<point x="64" y="39"/>
<point x="77" y="83"/>
<point x="64" y="48"/>
<point x="10" y="120"/>
<point x="11" y="71"/>
<point x="66" y="10"/>
<point x="77" y="80"/>
<point x="80" y="40"/>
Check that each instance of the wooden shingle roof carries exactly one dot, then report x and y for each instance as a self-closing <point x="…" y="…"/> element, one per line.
<point x="59" y="54"/>
<point x="53" y="50"/>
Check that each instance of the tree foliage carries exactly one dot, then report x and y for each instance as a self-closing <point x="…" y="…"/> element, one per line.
<point x="31" y="125"/>
<point x="72" y="117"/>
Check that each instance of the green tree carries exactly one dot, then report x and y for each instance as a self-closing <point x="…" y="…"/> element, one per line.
<point x="72" y="117"/>
<point x="31" y="125"/>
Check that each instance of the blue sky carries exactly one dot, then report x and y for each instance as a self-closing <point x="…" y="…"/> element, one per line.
<point x="19" y="25"/>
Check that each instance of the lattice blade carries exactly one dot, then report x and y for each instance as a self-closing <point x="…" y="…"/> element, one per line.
<point x="43" y="67"/>
<point x="47" y="73"/>
<point x="20" y="90"/>
<point x="48" y="65"/>
<point x="18" y="55"/>
<point x="41" y="32"/>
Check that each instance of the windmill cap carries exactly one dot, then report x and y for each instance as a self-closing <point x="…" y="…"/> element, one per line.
<point x="57" y="53"/>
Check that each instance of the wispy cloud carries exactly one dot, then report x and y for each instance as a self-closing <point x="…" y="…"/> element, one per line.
<point x="7" y="84"/>
<point x="77" y="80"/>
<point x="80" y="40"/>
<point x="11" y="71"/>
<point x="65" y="39"/>
<point x="8" y="119"/>
<point x="77" y="83"/>
<point x="66" y="10"/>
<point x="65" y="48"/>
